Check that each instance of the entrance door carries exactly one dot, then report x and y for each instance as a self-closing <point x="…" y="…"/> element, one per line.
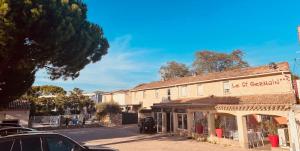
<point x="169" y="122"/>
<point x="159" y="122"/>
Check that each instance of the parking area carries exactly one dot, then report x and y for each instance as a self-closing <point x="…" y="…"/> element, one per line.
<point x="127" y="138"/>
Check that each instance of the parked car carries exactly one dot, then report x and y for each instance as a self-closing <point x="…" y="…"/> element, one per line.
<point x="15" y="130"/>
<point x="43" y="141"/>
<point x="3" y="125"/>
<point x="147" y="125"/>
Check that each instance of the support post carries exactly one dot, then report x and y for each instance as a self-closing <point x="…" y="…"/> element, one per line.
<point x="293" y="132"/>
<point x="190" y="119"/>
<point x="242" y="131"/>
<point x="175" y="122"/>
<point x="211" y="124"/>
<point x="164" y="122"/>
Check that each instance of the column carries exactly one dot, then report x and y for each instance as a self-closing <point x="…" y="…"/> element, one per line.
<point x="175" y="122"/>
<point x="164" y="122"/>
<point x="293" y="132"/>
<point x="190" y="119"/>
<point x="211" y="124"/>
<point x="242" y="130"/>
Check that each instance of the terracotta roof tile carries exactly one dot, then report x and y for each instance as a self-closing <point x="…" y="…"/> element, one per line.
<point x="248" y="99"/>
<point x="283" y="66"/>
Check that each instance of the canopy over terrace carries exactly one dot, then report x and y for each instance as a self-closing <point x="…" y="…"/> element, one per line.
<point x="238" y="106"/>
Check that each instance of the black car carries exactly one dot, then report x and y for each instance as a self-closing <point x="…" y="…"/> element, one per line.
<point x="3" y="125"/>
<point x="43" y="141"/>
<point x="15" y="130"/>
<point x="147" y="125"/>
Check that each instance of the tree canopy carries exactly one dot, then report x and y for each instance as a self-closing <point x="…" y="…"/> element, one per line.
<point x="60" y="103"/>
<point x="50" y="34"/>
<point x="36" y="91"/>
<point x="173" y="70"/>
<point x="210" y="61"/>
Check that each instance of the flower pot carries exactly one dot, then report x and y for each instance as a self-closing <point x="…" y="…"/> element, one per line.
<point x="199" y="129"/>
<point x="274" y="140"/>
<point x="219" y="132"/>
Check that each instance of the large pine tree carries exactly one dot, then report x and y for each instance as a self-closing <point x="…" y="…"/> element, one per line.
<point x="50" y="34"/>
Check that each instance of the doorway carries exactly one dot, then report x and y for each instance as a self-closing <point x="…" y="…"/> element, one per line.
<point x="169" y="122"/>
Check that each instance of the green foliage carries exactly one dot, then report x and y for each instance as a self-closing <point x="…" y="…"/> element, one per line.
<point x="173" y="70"/>
<point x="108" y="108"/>
<point x="50" y="34"/>
<point x="271" y="127"/>
<point x="210" y="61"/>
<point x="36" y="91"/>
<point x="76" y="103"/>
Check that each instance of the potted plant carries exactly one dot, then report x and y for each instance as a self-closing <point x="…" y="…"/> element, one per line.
<point x="219" y="130"/>
<point x="272" y="133"/>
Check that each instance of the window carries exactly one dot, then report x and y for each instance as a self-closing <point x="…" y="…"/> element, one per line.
<point x="61" y="144"/>
<point x="199" y="89"/>
<point x="226" y="87"/>
<point x="169" y="94"/>
<point x="31" y="144"/>
<point x="182" y="120"/>
<point x="156" y="94"/>
<point x="183" y="91"/>
<point x="180" y="123"/>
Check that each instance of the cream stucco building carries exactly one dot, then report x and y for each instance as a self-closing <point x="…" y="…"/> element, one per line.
<point x="240" y="99"/>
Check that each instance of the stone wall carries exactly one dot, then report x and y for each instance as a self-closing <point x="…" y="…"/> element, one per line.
<point x="111" y="120"/>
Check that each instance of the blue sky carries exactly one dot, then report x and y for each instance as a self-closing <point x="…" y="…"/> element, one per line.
<point x="143" y="35"/>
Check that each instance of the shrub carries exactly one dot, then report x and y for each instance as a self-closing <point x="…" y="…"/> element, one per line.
<point x="108" y="108"/>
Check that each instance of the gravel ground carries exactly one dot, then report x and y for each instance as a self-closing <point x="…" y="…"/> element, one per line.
<point x="126" y="138"/>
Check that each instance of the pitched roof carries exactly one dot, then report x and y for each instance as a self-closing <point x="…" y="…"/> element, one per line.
<point x="288" y="98"/>
<point x="116" y="91"/>
<point x="235" y="73"/>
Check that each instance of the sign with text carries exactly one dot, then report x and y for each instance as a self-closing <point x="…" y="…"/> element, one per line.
<point x="259" y="83"/>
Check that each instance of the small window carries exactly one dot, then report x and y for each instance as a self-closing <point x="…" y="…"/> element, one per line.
<point x="199" y="89"/>
<point x="226" y="87"/>
<point x="183" y="91"/>
<point x="169" y="94"/>
<point x="156" y="94"/>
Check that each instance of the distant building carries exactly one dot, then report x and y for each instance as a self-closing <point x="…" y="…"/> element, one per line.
<point x="95" y="96"/>
<point x="123" y="98"/>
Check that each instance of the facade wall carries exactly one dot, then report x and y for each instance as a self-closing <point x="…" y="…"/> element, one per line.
<point x="119" y="98"/>
<point x="271" y="84"/>
<point x="106" y="97"/>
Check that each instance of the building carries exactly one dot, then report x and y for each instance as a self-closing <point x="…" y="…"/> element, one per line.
<point x="237" y="101"/>
<point x="95" y="96"/>
<point x="123" y="98"/>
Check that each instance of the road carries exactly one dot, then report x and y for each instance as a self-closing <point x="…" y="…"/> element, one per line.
<point x="127" y="138"/>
